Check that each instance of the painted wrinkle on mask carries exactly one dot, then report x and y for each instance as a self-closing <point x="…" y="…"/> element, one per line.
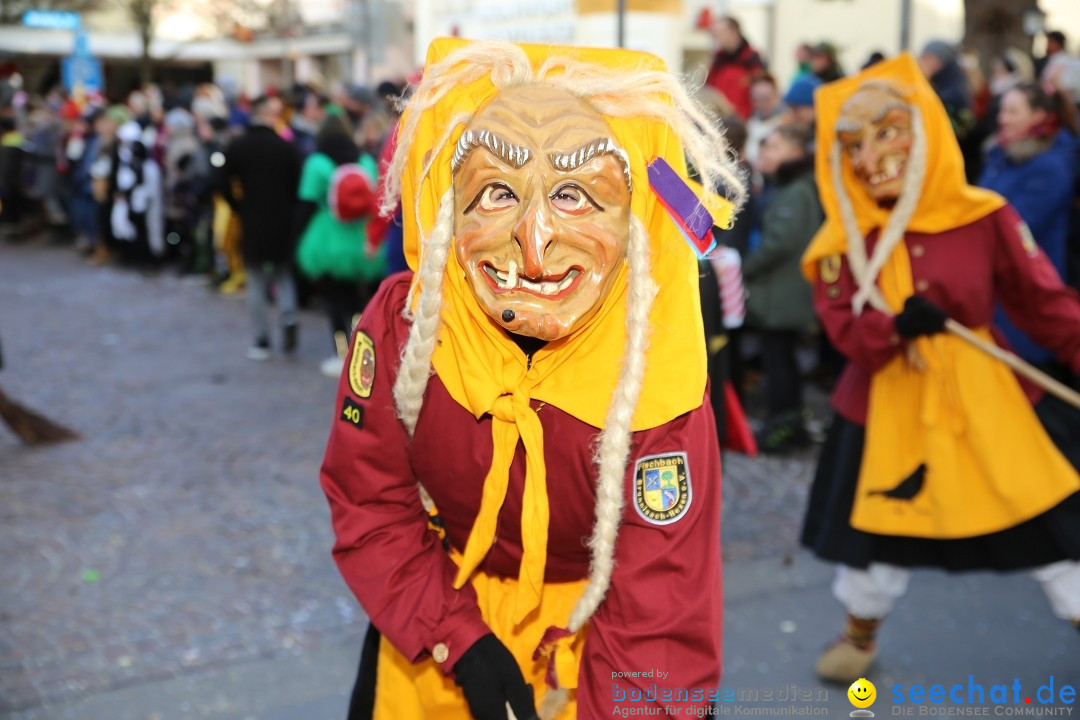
<point x="876" y="133"/>
<point x="543" y="243"/>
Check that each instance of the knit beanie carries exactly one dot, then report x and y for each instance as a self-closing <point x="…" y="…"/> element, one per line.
<point x="801" y="92"/>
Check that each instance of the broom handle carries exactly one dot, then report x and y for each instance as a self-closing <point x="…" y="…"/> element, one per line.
<point x="1033" y="374"/>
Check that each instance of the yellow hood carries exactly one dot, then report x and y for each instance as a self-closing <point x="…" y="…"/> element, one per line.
<point x="589" y="359"/>
<point x="947" y="201"/>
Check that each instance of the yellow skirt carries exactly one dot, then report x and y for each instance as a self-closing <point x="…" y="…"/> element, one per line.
<point x="407" y="691"/>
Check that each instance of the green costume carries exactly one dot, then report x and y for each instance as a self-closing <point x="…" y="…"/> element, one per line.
<point x="330" y="247"/>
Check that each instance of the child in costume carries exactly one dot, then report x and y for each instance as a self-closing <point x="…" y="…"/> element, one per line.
<point x="939" y="455"/>
<point x="542" y="377"/>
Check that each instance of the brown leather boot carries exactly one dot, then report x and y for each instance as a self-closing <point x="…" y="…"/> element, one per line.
<point x="100" y="256"/>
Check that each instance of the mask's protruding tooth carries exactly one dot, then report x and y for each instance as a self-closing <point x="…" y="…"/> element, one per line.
<point x="512" y="276"/>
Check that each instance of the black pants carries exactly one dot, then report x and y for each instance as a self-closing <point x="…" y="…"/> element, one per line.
<point x="343" y="299"/>
<point x="783" y="384"/>
<point x="362" y="702"/>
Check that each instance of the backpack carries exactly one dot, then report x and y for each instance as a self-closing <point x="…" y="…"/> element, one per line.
<point x="352" y="196"/>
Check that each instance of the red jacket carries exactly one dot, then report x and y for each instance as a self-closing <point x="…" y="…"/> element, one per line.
<point x="732" y="73"/>
<point x="965" y="271"/>
<point x="663" y="609"/>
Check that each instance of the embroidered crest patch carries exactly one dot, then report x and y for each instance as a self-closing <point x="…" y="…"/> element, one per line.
<point x="662" y="491"/>
<point x="362" y="367"/>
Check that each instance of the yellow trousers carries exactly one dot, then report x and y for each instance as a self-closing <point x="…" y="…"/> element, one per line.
<point x="227" y="235"/>
<point x="407" y="691"/>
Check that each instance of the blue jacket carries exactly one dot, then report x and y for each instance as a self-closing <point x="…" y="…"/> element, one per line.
<point x="1041" y="189"/>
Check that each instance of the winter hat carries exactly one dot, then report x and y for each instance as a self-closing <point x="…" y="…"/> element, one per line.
<point x="943" y="51"/>
<point x="119" y="114"/>
<point x="801" y="92"/>
<point x="179" y="121"/>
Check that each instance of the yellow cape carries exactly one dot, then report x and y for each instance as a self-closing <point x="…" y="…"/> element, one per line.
<point x="482" y="368"/>
<point x="989" y="464"/>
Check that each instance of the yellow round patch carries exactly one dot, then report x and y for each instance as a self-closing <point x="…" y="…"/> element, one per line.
<point x="362" y="366"/>
<point x="829" y="269"/>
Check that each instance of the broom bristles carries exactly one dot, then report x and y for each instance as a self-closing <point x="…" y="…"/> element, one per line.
<point x="32" y="428"/>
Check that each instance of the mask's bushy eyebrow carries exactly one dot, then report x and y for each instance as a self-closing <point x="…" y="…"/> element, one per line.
<point x="511" y="154"/>
<point x="846" y="125"/>
<point x="889" y="107"/>
<point x="594" y="148"/>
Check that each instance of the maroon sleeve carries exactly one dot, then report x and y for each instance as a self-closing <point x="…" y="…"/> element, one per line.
<point x="658" y="630"/>
<point x="1032" y="293"/>
<point x="869" y="339"/>
<point x="389" y="558"/>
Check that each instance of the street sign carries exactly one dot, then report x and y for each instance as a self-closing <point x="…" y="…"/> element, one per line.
<point x="81" y="70"/>
<point x="51" y="19"/>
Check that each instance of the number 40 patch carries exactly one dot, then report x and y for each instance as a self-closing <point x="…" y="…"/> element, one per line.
<point x="352" y="412"/>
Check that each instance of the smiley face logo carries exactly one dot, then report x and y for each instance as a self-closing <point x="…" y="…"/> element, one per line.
<point x="862" y="693"/>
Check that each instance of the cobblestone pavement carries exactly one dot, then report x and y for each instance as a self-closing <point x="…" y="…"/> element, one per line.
<point x="187" y="530"/>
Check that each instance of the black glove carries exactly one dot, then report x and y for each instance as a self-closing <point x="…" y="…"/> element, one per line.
<point x="490" y="677"/>
<point x="920" y="317"/>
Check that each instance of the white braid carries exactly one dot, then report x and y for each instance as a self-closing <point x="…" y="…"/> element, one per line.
<point x="866" y="269"/>
<point x="902" y="212"/>
<point x="614" y="444"/>
<point x="613" y="448"/>
<point x="415" y="369"/>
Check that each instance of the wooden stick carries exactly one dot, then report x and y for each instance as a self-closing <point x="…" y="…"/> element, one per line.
<point x="1047" y="383"/>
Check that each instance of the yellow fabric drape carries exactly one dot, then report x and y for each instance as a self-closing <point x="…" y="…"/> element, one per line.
<point x="512" y="418"/>
<point x="408" y="691"/>
<point x="989" y="463"/>
<point x="486" y="373"/>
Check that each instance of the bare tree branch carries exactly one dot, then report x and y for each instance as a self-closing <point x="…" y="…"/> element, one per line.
<point x="992" y="26"/>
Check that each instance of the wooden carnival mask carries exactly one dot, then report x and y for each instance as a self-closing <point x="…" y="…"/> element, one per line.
<point x="542" y="210"/>
<point x="875" y="131"/>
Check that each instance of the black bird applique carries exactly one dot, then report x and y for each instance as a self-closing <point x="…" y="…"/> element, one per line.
<point x="908" y="488"/>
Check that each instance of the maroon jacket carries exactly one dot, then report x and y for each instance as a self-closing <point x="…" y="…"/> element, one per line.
<point x="732" y="73"/>
<point x="965" y="271"/>
<point x="663" y="609"/>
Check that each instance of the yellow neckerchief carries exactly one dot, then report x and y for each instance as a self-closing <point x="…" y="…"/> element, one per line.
<point x="485" y="372"/>
<point x="989" y="463"/>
